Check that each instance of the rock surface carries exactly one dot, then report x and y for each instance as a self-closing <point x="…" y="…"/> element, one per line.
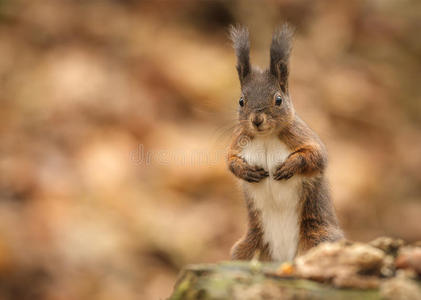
<point x="343" y="264"/>
<point x="342" y="270"/>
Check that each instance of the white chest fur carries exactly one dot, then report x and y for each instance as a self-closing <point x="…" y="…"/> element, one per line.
<point x="276" y="200"/>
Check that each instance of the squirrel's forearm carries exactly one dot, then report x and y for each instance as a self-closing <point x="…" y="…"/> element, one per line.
<point x="308" y="160"/>
<point x="242" y="170"/>
<point x="235" y="164"/>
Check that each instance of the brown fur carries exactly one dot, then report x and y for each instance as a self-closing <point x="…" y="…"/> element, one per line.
<point x="252" y="242"/>
<point x="238" y="166"/>
<point x="308" y="156"/>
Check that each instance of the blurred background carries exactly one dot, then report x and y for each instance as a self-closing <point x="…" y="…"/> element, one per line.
<point x="115" y="116"/>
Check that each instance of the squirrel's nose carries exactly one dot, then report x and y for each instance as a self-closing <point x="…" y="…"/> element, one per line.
<point x="257" y="121"/>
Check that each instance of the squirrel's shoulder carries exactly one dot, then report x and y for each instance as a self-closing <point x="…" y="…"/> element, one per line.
<point x="299" y="133"/>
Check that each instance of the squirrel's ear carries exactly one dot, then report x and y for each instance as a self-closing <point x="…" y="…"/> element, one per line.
<point x="279" y="54"/>
<point x="240" y="39"/>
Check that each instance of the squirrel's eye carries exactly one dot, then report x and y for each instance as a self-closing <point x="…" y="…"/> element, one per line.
<point x="241" y="101"/>
<point x="278" y="100"/>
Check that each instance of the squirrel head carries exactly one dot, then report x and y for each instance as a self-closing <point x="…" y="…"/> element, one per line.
<point x="264" y="105"/>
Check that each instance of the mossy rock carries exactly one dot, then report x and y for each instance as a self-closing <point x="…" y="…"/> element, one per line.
<point x="254" y="280"/>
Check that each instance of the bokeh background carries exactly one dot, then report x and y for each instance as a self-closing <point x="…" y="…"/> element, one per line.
<point x="115" y="116"/>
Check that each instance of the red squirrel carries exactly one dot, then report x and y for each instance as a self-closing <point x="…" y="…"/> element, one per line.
<point x="281" y="162"/>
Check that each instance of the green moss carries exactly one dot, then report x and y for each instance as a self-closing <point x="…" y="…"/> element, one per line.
<point x="233" y="280"/>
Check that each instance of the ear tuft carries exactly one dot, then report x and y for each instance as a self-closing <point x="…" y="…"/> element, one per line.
<point x="280" y="50"/>
<point x="240" y="40"/>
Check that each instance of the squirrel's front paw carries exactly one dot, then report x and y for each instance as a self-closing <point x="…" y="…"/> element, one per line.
<point x="285" y="171"/>
<point x="254" y="174"/>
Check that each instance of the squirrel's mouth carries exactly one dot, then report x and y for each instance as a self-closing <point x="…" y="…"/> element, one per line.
<point x="262" y="129"/>
<point x="267" y="126"/>
<point x="258" y="123"/>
